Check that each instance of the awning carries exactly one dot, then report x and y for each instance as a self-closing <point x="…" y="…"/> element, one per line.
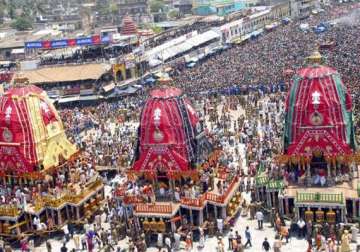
<point x="109" y="87"/>
<point x="150" y="80"/>
<point x="90" y="97"/>
<point x="89" y="91"/>
<point x="154" y="62"/>
<point x="18" y="51"/>
<point x="191" y="65"/>
<point x="68" y="73"/>
<point x="169" y="44"/>
<point x="185" y="45"/>
<point x="125" y="91"/>
<point x="128" y="90"/>
<point x="69" y="99"/>
<point x="53" y="93"/>
<point x="256" y="33"/>
<point x="271" y="26"/>
<point x="203" y="38"/>
<point x="161" y="74"/>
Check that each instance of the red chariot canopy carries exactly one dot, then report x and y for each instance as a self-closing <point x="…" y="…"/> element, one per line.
<point x="167" y="132"/>
<point x="318" y="114"/>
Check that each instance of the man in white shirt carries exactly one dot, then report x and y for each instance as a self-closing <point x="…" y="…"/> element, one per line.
<point x="160" y="240"/>
<point x="220" y="225"/>
<point x="231" y="237"/>
<point x="301" y="225"/>
<point x="168" y="242"/>
<point x="66" y="232"/>
<point x="260" y="218"/>
<point x="177" y="238"/>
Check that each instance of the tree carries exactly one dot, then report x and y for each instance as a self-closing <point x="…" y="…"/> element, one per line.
<point x="157" y="6"/>
<point x="114" y="10"/>
<point x="157" y="29"/>
<point x="102" y="7"/>
<point x="22" y="24"/>
<point x="11" y="11"/>
<point x="173" y="14"/>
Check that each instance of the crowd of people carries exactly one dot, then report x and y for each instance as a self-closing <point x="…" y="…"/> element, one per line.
<point x="70" y="178"/>
<point x="107" y="134"/>
<point x="265" y="59"/>
<point x="78" y="55"/>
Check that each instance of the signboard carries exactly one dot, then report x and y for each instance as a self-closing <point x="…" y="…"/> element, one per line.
<point x="53" y="44"/>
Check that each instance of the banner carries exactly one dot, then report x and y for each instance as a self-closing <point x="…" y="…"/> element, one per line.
<point x="53" y="44"/>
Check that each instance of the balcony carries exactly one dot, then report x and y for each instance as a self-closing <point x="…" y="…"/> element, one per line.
<point x="336" y="198"/>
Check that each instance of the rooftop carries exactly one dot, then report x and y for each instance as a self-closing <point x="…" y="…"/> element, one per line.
<point x="66" y="73"/>
<point x="17" y="40"/>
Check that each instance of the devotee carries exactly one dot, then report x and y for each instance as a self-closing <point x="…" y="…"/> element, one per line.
<point x="277" y="244"/>
<point x="266" y="245"/>
<point x="260" y="219"/>
<point x="345" y="242"/>
<point x="221" y="246"/>
<point x="107" y="133"/>
<point x="202" y="238"/>
<point x="248" y="238"/>
<point x="301" y="228"/>
<point x="230" y="238"/>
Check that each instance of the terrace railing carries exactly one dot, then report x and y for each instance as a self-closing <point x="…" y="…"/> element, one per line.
<point x="337" y="198"/>
<point x="198" y="202"/>
<point x="261" y="181"/>
<point x="157" y="208"/>
<point x="221" y="198"/>
<point x="129" y="199"/>
<point x="10" y="211"/>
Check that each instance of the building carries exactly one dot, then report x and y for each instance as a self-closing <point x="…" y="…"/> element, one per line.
<point x="184" y="6"/>
<point x="300" y="9"/>
<point x="71" y="83"/>
<point x="139" y="10"/>
<point x="218" y="7"/>
<point x="280" y="10"/>
<point x="253" y="24"/>
<point x="13" y="44"/>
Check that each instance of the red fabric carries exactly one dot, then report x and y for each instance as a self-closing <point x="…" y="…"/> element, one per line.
<point x="47" y="113"/>
<point x="322" y="173"/>
<point x="328" y="134"/>
<point x="192" y="113"/>
<point x="6" y="76"/>
<point x="24" y="90"/>
<point x="163" y="142"/>
<point x="318" y="139"/>
<point x="165" y="92"/>
<point x="17" y="144"/>
<point x="15" y="128"/>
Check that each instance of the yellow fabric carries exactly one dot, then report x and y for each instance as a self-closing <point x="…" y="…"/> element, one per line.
<point x="57" y="145"/>
<point x="50" y="141"/>
<point x="38" y="127"/>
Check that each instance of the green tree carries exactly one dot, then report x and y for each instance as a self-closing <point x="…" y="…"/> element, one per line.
<point x="157" y="6"/>
<point x="22" y="23"/>
<point x="2" y="12"/>
<point x="114" y="10"/>
<point x="11" y="11"/>
<point x="173" y="14"/>
<point x="102" y="7"/>
<point x="157" y="29"/>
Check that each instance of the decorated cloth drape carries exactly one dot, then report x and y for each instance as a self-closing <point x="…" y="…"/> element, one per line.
<point x="169" y="132"/>
<point x="31" y="131"/>
<point x="318" y="114"/>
